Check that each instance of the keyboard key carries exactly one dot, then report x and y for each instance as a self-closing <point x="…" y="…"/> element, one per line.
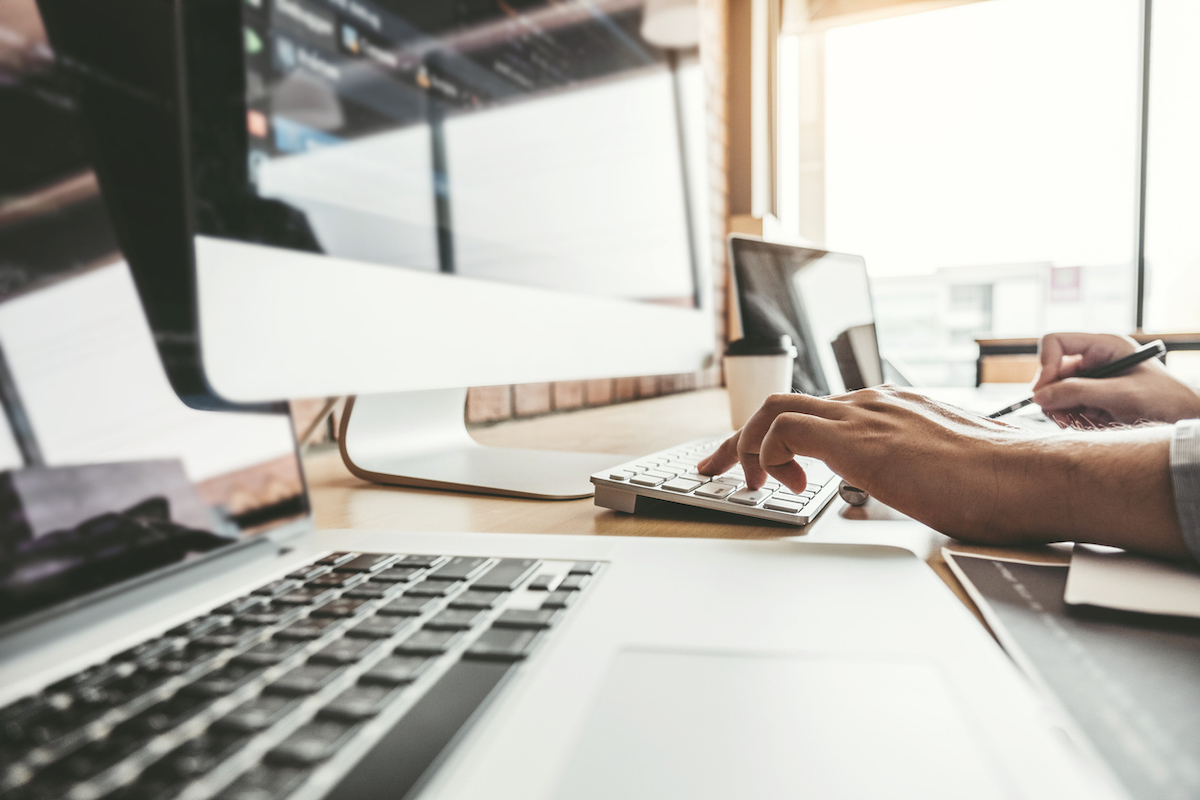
<point x="258" y="714"/>
<point x="309" y="572"/>
<point x="408" y="606"/>
<point x="503" y="644"/>
<point x="749" y="497"/>
<point x="310" y="628"/>
<point x="459" y="568"/>
<point x="647" y="479"/>
<point x="716" y="490"/>
<point x="368" y="562"/>
<point x="231" y="636"/>
<point x="585" y="568"/>
<point x="432" y="588"/>
<point x="246" y="603"/>
<point x="305" y="680"/>
<point x="333" y="559"/>
<point x="396" y="670"/>
<point x="620" y="474"/>
<point x="398" y="574"/>
<point x="429" y="642"/>
<point x="528" y="618"/>
<point x="277" y="587"/>
<point x="665" y="474"/>
<point x="680" y="485"/>
<point x="573" y="583"/>
<point x="342" y="607"/>
<point x="198" y="627"/>
<point x="359" y="702"/>
<point x="192" y="759"/>
<point x="344" y="651"/>
<point x="379" y="627"/>
<point x="781" y="505"/>
<point x="374" y="590"/>
<point x="421" y="561"/>
<point x="455" y="619"/>
<point x="312" y="743"/>
<point x="507" y="574"/>
<point x="305" y="596"/>
<point x="264" y="782"/>
<point x="559" y="599"/>
<point x="226" y="680"/>
<point x="339" y="580"/>
<point x="476" y="599"/>
<point x="543" y="583"/>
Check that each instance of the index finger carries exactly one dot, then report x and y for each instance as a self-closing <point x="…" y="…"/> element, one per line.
<point x="751" y="436"/>
<point x="722" y="458"/>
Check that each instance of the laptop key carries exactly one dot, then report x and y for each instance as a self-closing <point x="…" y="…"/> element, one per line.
<point x="533" y="619"/>
<point x="269" y="652"/>
<point x="246" y="603"/>
<point x="421" y="561"/>
<point x="265" y="782"/>
<point x="359" y="702"/>
<point x="459" y="568"/>
<point x="680" y="485"/>
<point x="503" y="644"/>
<point x="543" y="583"/>
<point x="476" y="599"/>
<point x="258" y="714"/>
<point x="398" y="574"/>
<point x="507" y="574"/>
<point x="342" y="607"/>
<point x="305" y="596"/>
<point x="226" y="680"/>
<point x="573" y="583"/>
<point x="305" y="680"/>
<point x="368" y="562"/>
<point x="429" y="642"/>
<point x="333" y="559"/>
<point x="559" y="599"/>
<point x="585" y="567"/>
<point x="374" y="590"/>
<point x="455" y="619"/>
<point x="277" y="587"/>
<point x="308" y="573"/>
<point x="396" y="670"/>
<point x="312" y="743"/>
<point x="433" y="588"/>
<point x="339" y="580"/>
<point x="310" y="628"/>
<point x="344" y="651"/>
<point x="379" y="627"/>
<point x="408" y="606"/>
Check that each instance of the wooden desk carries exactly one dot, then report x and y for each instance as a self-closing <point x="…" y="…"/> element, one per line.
<point x="342" y="501"/>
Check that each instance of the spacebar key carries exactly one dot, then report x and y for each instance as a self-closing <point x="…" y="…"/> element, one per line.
<point x="396" y="763"/>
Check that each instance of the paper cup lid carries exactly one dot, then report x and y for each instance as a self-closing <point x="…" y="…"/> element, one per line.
<point x="762" y="346"/>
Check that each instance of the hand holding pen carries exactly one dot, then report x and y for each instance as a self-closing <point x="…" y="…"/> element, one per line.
<point x="1103" y="379"/>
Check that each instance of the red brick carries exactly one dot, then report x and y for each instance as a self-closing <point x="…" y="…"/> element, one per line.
<point x="599" y="392"/>
<point x="626" y="389"/>
<point x="489" y="403"/>
<point x="531" y="398"/>
<point x="568" y="394"/>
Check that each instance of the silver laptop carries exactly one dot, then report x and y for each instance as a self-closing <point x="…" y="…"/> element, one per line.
<point x="173" y="627"/>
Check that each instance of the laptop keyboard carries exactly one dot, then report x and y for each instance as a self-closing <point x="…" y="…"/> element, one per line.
<point x="265" y="694"/>
<point x="671" y="475"/>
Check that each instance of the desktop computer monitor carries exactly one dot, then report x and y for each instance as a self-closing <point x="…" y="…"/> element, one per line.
<point x="399" y="199"/>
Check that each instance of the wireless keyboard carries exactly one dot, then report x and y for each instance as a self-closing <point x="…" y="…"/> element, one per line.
<point x="307" y="683"/>
<point x="671" y="475"/>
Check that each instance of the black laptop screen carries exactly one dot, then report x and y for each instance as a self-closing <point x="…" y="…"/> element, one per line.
<point x="105" y="475"/>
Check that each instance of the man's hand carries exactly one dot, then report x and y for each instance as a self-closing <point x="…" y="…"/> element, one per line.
<point x="1146" y="392"/>
<point x="973" y="478"/>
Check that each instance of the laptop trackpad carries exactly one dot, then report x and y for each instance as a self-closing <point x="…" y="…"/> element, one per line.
<point x="701" y="725"/>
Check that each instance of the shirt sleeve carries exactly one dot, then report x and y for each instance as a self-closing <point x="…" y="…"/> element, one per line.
<point x="1185" y="476"/>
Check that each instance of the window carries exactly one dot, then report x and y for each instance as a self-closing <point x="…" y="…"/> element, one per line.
<point x="984" y="159"/>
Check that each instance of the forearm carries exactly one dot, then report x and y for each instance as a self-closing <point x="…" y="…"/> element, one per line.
<point x="1111" y="487"/>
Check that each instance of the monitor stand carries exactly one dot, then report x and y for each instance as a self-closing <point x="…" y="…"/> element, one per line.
<point x="420" y="439"/>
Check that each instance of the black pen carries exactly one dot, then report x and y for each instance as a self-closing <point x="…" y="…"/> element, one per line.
<point x="1155" y="349"/>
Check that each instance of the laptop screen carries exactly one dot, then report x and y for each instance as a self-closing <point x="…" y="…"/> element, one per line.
<point x="822" y="300"/>
<point x="105" y="475"/>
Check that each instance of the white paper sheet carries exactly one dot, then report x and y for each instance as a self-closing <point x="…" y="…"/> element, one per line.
<point x="1112" y="578"/>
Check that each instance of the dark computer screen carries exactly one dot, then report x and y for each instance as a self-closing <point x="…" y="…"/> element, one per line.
<point x="540" y="143"/>
<point x="105" y="475"/>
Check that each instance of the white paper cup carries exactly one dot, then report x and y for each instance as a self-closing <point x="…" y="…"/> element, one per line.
<point x="755" y="369"/>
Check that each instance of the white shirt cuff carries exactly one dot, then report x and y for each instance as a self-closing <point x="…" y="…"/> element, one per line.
<point x="1185" y="476"/>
